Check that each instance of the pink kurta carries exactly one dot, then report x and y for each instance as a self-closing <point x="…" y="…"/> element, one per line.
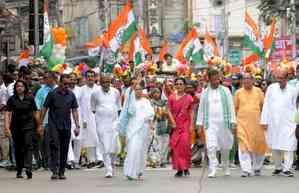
<point x="181" y="111"/>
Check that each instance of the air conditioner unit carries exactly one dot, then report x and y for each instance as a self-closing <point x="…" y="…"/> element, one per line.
<point x="217" y="3"/>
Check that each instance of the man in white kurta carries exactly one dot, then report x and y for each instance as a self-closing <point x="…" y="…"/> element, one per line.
<point x="105" y="104"/>
<point x="89" y="133"/>
<point x="75" y="142"/>
<point x="278" y="118"/>
<point x="217" y="116"/>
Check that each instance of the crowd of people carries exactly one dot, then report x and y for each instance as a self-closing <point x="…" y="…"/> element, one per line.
<point x="58" y="121"/>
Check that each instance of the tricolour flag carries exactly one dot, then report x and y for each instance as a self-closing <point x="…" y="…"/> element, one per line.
<point x="197" y="53"/>
<point x="185" y="50"/>
<point x="164" y="50"/>
<point x="139" y="47"/>
<point x="269" y="38"/>
<point x="252" y="39"/>
<point x="210" y="46"/>
<point x="121" y="30"/>
<point x="47" y="49"/>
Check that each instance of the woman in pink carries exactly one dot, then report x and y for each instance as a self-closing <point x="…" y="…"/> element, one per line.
<point x="180" y="113"/>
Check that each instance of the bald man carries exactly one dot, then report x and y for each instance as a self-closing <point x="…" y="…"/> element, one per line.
<point x="278" y="118"/>
<point x="251" y="136"/>
<point x="105" y="104"/>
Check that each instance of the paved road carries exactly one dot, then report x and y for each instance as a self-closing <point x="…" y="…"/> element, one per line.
<point x="156" y="181"/>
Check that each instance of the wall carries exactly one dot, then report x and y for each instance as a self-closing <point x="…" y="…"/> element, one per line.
<point x="207" y="15"/>
<point x="81" y="21"/>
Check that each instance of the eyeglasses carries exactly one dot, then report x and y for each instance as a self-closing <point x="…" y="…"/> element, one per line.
<point x="179" y="84"/>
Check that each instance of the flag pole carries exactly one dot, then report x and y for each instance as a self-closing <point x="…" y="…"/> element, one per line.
<point x="36" y="29"/>
<point x="101" y="63"/>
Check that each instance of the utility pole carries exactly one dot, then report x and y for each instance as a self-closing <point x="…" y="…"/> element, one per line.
<point x="59" y="14"/>
<point x="106" y="24"/>
<point x="36" y="29"/>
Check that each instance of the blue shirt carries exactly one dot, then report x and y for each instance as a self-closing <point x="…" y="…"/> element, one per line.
<point x="40" y="99"/>
<point x="60" y="103"/>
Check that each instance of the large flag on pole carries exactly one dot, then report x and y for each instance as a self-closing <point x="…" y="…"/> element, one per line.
<point x="252" y="39"/>
<point x="210" y="46"/>
<point x="186" y="47"/>
<point x="269" y="38"/>
<point x="164" y="50"/>
<point x="47" y="49"/>
<point x="139" y="47"/>
<point x="197" y="53"/>
<point x="122" y="29"/>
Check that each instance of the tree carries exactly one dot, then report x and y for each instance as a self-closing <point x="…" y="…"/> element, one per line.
<point x="272" y="8"/>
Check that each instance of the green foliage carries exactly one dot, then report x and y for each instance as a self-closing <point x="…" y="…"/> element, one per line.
<point x="273" y="8"/>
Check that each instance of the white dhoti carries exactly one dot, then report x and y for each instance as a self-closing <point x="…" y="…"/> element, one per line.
<point x="74" y="151"/>
<point x="250" y="162"/>
<point x="288" y="160"/>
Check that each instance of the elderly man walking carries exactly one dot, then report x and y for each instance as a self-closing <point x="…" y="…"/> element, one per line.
<point x="252" y="144"/>
<point x="278" y="118"/>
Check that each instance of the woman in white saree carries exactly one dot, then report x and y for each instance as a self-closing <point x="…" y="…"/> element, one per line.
<point x="139" y="123"/>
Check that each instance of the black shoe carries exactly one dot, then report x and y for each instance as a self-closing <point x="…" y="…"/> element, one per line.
<point x="29" y="174"/>
<point x="267" y="162"/>
<point x="179" y="174"/>
<point x="91" y="165"/>
<point x="186" y="173"/>
<point x="276" y="172"/>
<point x="19" y="175"/>
<point x="62" y="177"/>
<point x="54" y="176"/>
<point x="297" y="167"/>
<point x="288" y="174"/>
<point x="69" y="166"/>
<point x="257" y="172"/>
<point x="100" y="164"/>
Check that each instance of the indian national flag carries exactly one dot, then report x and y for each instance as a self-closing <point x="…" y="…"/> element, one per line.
<point x="47" y="48"/>
<point x="121" y="30"/>
<point x="164" y="50"/>
<point x="269" y="38"/>
<point x="252" y="39"/>
<point x="185" y="50"/>
<point x="197" y="53"/>
<point x="139" y="47"/>
<point x="210" y="46"/>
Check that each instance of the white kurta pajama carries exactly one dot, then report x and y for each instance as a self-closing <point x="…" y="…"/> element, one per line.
<point x="89" y="134"/>
<point x="75" y="142"/>
<point x="218" y="137"/>
<point x="137" y="135"/>
<point x="279" y="115"/>
<point x="106" y="106"/>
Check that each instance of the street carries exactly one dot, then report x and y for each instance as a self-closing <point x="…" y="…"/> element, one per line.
<point x="156" y="181"/>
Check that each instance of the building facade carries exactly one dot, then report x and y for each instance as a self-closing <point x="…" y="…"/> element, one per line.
<point x="225" y="18"/>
